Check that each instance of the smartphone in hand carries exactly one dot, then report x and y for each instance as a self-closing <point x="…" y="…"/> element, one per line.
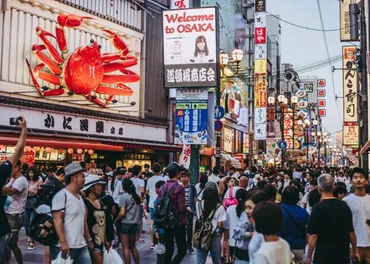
<point x="14" y="121"/>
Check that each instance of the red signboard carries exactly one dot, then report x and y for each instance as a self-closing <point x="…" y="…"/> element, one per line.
<point x="321" y="102"/>
<point x="321" y="83"/>
<point x="260" y="35"/>
<point x="322" y="112"/>
<point x="321" y="93"/>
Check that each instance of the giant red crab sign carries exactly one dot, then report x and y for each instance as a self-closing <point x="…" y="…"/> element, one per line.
<point x="86" y="69"/>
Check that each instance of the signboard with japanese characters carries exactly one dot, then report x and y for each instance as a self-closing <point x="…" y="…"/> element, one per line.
<point x="351" y="134"/>
<point x="260" y="51"/>
<point x="321" y="92"/>
<point x="180" y="4"/>
<point x="308" y="87"/>
<point x="260" y="35"/>
<point x="260" y="90"/>
<point x="260" y="20"/>
<point x="344" y="20"/>
<point x="321" y="102"/>
<point x="52" y="122"/>
<point x="260" y="131"/>
<point x="191" y="117"/>
<point x="350" y="88"/>
<point x="228" y="140"/>
<point x="322" y="112"/>
<point x="260" y="71"/>
<point x="185" y="156"/>
<point x="190" y="39"/>
<point x="321" y="83"/>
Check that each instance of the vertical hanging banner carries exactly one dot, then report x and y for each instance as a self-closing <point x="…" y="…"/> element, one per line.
<point x="190" y="48"/>
<point x="260" y="71"/>
<point x="350" y="97"/>
<point x="350" y="86"/>
<point x="191" y="116"/>
<point x="344" y="19"/>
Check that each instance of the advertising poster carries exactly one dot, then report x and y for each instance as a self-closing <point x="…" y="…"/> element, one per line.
<point x="190" y="39"/>
<point x="191" y="116"/>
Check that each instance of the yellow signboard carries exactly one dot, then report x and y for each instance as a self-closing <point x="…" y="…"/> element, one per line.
<point x="260" y="66"/>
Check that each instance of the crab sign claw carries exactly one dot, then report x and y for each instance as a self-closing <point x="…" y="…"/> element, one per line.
<point x="70" y="21"/>
<point x="117" y="42"/>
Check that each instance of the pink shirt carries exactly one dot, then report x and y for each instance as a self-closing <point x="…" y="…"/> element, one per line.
<point x="33" y="187"/>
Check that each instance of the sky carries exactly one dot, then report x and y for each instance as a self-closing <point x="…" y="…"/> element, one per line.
<point x="301" y="47"/>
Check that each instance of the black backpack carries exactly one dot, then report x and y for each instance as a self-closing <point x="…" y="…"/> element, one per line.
<point x="42" y="228"/>
<point x="164" y="216"/>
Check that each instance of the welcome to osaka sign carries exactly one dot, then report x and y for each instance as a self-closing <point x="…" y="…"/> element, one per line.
<point x="190" y="47"/>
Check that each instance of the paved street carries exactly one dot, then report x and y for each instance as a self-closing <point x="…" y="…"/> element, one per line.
<point x="147" y="255"/>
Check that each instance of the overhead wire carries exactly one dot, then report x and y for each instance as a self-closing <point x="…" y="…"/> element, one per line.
<point x="327" y="52"/>
<point x="300" y="26"/>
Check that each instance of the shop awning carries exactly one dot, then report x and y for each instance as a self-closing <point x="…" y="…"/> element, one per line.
<point x="94" y="144"/>
<point x="365" y="147"/>
<point x="62" y="143"/>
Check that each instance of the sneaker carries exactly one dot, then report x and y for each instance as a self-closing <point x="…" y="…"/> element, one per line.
<point x="191" y="250"/>
<point x="141" y="241"/>
<point x="152" y="246"/>
<point x="31" y="245"/>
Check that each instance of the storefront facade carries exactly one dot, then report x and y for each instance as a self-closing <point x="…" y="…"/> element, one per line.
<point x="105" y="129"/>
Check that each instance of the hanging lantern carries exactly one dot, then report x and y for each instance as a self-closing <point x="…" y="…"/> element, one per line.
<point x="70" y="151"/>
<point x="36" y="149"/>
<point x="27" y="148"/>
<point x="79" y="151"/>
<point x="90" y="151"/>
<point x="48" y="149"/>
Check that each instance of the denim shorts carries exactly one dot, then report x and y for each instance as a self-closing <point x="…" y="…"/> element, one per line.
<point x="129" y="228"/>
<point x="79" y="255"/>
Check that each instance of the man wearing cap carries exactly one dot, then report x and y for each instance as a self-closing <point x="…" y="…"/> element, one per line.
<point x="179" y="208"/>
<point x="68" y="211"/>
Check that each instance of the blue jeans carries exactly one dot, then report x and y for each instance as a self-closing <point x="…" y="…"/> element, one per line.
<point x="29" y="215"/>
<point x="215" y="251"/>
<point x="78" y="255"/>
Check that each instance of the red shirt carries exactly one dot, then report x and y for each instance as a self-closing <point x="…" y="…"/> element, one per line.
<point x="177" y="199"/>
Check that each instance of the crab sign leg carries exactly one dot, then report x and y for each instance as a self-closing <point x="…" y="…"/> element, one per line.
<point x="120" y="89"/>
<point x="118" y="65"/>
<point x="111" y="79"/>
<point x="45" y="76"/>
<point x="37" y="50"/>
<point x="70" y="21"/>
<point x="99" y="102"/>
<point x="53" y="51"/>
<point x="117" y="42"/>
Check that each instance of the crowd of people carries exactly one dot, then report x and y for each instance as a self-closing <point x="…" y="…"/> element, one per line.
<point x="259" y="215"/>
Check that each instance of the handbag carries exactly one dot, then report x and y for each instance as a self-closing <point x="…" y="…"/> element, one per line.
<point x="31" y="204"/>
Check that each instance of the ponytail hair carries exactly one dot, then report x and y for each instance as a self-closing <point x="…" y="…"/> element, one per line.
<point x="129" y="187"/>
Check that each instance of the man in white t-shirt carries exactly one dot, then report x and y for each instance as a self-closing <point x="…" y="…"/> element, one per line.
<point x="151" y="193"/>
<point x="68" y="211"/>
<point x="17" y="190"/>
<point x="139" y="183"/>
<point x="359" y="202"/>
<point x="214" y="176"/>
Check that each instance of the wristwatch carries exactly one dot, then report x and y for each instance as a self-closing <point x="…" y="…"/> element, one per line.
<point x="88" y="240"/>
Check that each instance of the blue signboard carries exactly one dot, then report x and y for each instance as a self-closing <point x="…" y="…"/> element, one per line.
<point x="191" y="122"/>
<point x="219" y="112"/>
<point x="283" y="145"/>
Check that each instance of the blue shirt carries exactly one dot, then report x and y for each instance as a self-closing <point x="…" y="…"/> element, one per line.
<point x="152" y="211"/>
<point x="294" y="232"/>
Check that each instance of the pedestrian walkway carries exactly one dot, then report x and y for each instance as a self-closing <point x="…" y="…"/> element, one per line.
<point x="147" y="255"/>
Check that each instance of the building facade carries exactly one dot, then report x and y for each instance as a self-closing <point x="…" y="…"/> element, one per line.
<point x="119" y="120"/>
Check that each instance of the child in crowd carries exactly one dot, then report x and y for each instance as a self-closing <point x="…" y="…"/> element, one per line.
<point x="158" y="233"/>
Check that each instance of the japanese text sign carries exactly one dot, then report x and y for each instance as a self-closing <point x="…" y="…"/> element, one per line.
<point x="260" y="91"/>
<point x="350" y="87"/>
<point x="191" y="118"/>
<point x="344" y="20"/>
<point x="190" y="47"/>
<point x="260" y="35"/>
<point x="351" y="134"/>
<point x="180" y="4"/>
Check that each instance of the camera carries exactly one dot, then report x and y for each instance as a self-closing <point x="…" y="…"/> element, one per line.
<point x="14" y="121"/>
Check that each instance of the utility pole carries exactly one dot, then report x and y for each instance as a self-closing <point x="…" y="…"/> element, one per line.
<point x="364" y="92"/>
